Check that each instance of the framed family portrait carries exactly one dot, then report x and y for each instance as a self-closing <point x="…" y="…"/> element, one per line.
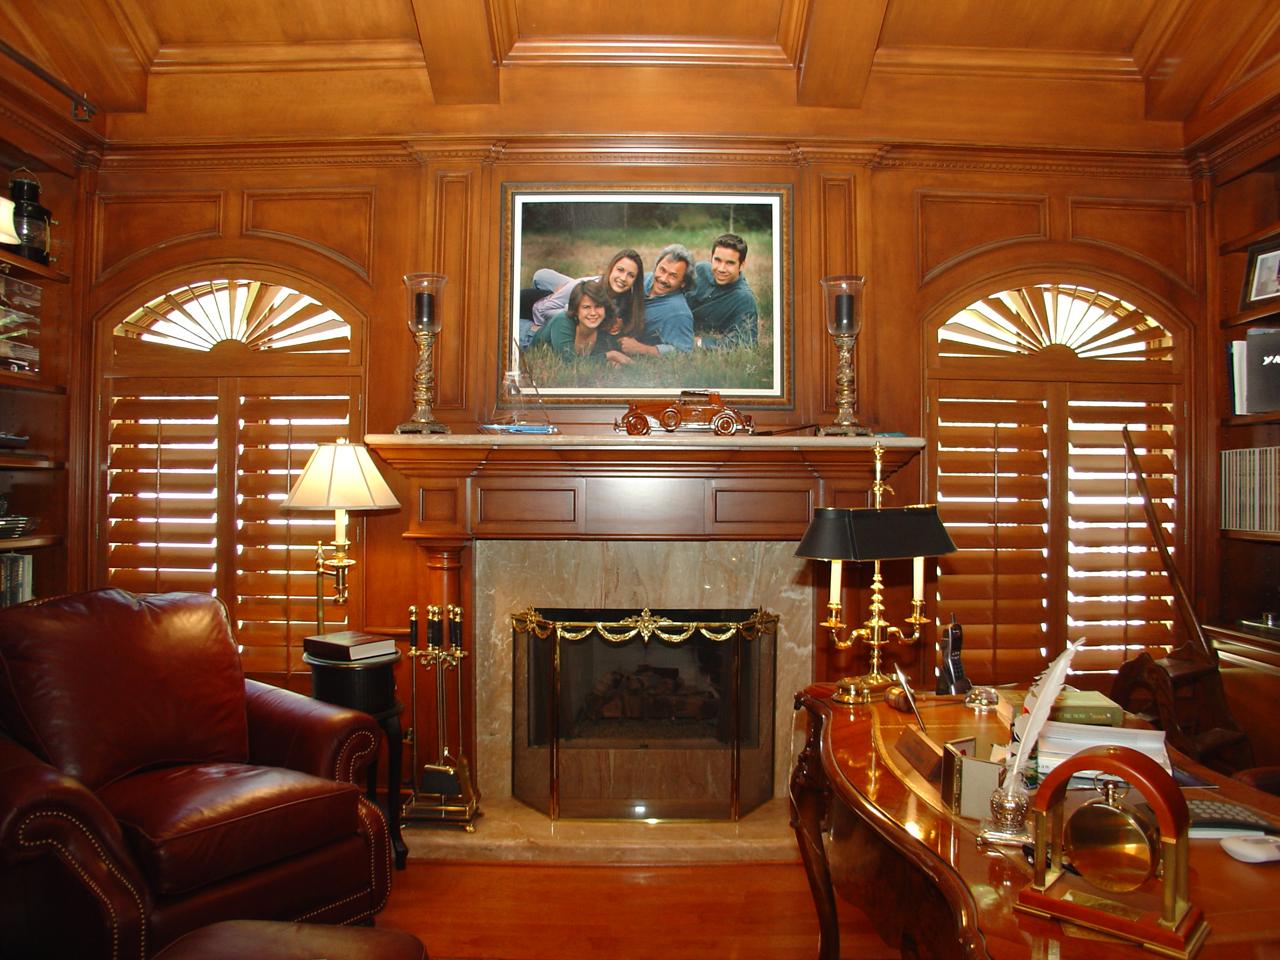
<point x="1262" y="276"/>
<point x="612" y="293"/>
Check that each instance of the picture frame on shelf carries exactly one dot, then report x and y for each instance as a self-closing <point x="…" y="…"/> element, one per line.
<point x="557" y="234"/>
<point x="1262" y="274"/>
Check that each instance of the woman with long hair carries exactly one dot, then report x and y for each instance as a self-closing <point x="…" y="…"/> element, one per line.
<point x="621" y="278"/>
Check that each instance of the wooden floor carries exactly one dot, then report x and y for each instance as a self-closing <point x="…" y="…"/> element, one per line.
<point x="542" y="911"/>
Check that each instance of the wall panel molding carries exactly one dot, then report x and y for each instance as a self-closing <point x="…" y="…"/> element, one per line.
<point x="1162" y="166"/>
<point x="128" y="226"/>
<point x="1160" y="234"/>
<point x="956" y="226"/>
<point x="334" y="222"/>
<point x="454" y="205"/>
<point x="366" y="153"/>
<point x="838" y="253"/>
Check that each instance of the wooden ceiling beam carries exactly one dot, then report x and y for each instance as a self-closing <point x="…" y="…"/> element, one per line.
<point x="839" y="48"/>
<point x="457" y="47"/>
<point x="1180" y="67"/>
<point x="104" y="51"/>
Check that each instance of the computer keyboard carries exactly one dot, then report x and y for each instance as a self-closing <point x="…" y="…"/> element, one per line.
<point x="1211" y="817"/>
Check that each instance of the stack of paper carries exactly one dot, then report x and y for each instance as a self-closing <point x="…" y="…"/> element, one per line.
<point x="1060" y="741"/>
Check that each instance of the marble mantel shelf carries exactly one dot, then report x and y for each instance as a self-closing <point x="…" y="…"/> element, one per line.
<point x="452" y="454"/>
<point x="671" y="486"/>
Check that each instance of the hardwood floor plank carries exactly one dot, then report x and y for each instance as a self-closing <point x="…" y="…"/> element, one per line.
<point x="546" y="911"/>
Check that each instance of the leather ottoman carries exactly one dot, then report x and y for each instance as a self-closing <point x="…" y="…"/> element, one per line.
<point x="269" y="940"/>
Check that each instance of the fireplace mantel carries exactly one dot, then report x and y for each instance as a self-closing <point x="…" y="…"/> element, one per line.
<point x="492" y="515"/>
<point x="592" y="486"/>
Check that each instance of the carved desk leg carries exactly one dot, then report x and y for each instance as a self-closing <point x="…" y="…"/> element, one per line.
<point x="810" y="803"/>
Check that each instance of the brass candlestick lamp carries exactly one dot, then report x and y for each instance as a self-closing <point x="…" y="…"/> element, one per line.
<point x="842" y="301"/>
<point x="874" y="534"/>
<point x="424" y="324"/>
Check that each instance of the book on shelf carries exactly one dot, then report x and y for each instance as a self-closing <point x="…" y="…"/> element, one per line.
<point x="348" y="645"/>
<point x="1255" y="371"/>
<point x="1249" y="490"/>
<point x="1071" y="706"/>
<point x="15" y="578"/>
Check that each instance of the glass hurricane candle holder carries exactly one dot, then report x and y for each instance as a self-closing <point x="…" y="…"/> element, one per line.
<point x="424" y="323"/>
<point x="842" y="305"/>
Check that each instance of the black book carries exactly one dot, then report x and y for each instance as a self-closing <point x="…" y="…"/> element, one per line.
<point x="1256" y="369"/>
<point x="348" y="645"/>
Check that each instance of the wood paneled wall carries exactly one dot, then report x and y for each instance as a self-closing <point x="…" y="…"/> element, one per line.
<point x="932" y="228"/>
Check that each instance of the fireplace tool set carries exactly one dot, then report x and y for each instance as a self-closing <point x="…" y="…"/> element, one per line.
<point x="442" y="790"/>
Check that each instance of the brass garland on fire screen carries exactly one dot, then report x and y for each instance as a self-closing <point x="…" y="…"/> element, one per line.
<point x="645" y="624"/>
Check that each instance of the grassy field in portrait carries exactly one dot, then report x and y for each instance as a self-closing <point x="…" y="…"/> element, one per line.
<point x="580" y="239"/>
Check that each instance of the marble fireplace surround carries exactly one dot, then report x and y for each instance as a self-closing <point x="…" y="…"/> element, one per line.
<point x="677" y="520"/>
<point x="599" y="574"/>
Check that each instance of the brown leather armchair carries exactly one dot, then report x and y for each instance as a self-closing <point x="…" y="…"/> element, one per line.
<point x="147" y="788"/>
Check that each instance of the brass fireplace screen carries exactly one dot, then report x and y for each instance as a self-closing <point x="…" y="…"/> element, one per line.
<point x="643" y="714"/>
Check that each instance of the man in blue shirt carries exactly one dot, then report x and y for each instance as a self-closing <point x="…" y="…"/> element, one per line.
<point x="725" y="313"/>
<point x="668" y="321"/>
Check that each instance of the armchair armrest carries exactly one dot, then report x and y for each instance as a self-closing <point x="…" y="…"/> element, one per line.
<point x="45" y="813"/>
<point x="289" y="730"/>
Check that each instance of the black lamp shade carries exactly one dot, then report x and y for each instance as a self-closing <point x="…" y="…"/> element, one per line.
<point x="888" y="534"/>
<point x="897" y="532"/>
<point x="828" y="536"/>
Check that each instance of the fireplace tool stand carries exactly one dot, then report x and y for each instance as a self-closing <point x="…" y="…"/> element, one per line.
<point x="442" y="791"/>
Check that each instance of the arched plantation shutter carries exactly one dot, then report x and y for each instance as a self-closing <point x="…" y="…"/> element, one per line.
<point x="1031" y="479"/>
<point x="198" y="465"/>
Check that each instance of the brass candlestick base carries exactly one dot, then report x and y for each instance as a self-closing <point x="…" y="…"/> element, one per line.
<point x="424" y="389"/>
<point x="876" y="633"/>
<point x="846" y="424"/>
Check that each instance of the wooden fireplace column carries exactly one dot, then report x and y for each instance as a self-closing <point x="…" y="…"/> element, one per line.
<point x="469" y="487"/>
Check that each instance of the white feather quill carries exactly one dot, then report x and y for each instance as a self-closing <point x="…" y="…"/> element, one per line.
<point x="1039" y="702"/>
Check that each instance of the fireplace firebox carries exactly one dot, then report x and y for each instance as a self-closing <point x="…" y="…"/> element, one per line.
<point x="643" y="714"/>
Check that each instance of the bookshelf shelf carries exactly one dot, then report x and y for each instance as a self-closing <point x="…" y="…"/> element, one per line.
<point x="32" y="461"/>
<point x="1263" y="313"/>
<point x="21" y="266"/>
<point x="8" y="544"/>
<point x="1256" y="536"/>
<point x="1251" y="419"/>
<point x="1243" y="243"/>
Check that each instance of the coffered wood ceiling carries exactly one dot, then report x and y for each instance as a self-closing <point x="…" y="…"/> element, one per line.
<point x="1173" y="60"/>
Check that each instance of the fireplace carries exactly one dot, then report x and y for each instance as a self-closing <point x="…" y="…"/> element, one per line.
<point x="599" y="521"/>
<point x="627" y="713"/>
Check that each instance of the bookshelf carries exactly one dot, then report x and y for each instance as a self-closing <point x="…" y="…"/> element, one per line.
<point x="1245" y="563"/>
<point x="33" y="390"/>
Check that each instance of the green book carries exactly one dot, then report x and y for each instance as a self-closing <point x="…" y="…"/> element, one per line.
<point x="1072" y="706"/>
<point x="1086" y="706"/>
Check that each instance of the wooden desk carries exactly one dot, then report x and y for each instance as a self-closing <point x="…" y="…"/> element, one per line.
<point x="892" y="848"/>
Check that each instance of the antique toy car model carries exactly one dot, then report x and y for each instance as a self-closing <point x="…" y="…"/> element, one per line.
<point x="693" y="410"/>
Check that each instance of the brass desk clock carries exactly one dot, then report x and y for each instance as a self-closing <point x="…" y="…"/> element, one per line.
<point x="1133" y="873"/>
